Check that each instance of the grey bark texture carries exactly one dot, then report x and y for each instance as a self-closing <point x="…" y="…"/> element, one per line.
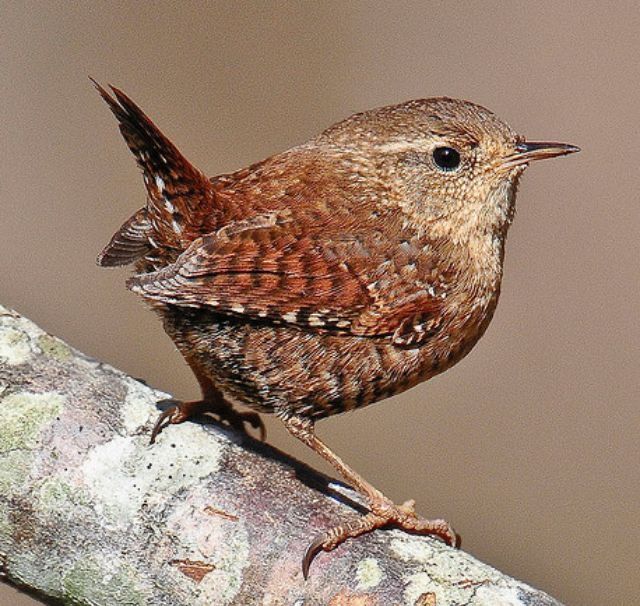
<point x="90" y="513"/>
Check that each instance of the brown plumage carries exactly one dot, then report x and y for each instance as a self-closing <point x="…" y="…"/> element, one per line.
<point x="332" y="275"/>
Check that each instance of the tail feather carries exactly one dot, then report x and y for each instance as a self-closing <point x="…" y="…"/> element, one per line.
<point x="178" y="193"/>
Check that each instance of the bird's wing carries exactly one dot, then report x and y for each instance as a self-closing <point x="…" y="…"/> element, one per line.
<point x="268" y="269"/>
<point x="129" y="243"/>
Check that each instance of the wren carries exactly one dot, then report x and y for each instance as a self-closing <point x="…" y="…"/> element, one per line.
<point x="330" y="276"/>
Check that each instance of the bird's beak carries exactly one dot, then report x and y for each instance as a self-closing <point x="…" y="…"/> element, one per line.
<point x="528" y="151"/>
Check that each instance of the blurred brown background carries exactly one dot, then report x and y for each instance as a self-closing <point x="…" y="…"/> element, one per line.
<point x="530" y="446"/>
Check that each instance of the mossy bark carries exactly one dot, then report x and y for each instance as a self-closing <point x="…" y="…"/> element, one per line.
<point x="90" y="513"/>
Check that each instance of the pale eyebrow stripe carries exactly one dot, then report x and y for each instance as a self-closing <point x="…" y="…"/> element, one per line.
<point x="423" y="144"/>
<point x="403" y="145"/>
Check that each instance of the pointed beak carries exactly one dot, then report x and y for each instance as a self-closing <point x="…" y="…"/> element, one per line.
<point x="528" y="151"/>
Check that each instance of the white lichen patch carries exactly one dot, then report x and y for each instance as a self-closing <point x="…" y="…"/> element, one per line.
<point x="15" y="346"/>
<point x="452" y="575"/>
<point x="368" y="574"/>
<point x="450" y="563"/>
<point x="420" y="583"/>
<point x="463" y="591"/>
<point x="437" y="557"/>
<point x="491" y="595"/>
<point x="125" y="471"/>
<point x="411" y="549"/>
<point x="138" y="406"/>
<point x="24" y="415"/>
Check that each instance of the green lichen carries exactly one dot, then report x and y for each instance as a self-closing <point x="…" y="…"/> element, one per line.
<point x="14" y="470"/>
<point x="22" y="417"/>
<point x="32" y="567"/>
<point x="225" y="544"/>
<point x="234" y="561"/>
<point x="230" y="567"/>
<point x="54" y="348"/>
<point x="102" y="581"/>
<point x="56" y="495"/>
<point x="6" y="529"/>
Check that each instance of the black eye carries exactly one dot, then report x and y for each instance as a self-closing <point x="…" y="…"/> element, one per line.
<point x="446" y="158"/>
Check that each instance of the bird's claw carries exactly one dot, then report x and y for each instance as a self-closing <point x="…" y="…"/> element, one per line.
<point x="177" y="413"/>
<point x="316" y="546"/>
<point x="383" y="513"/>
<point x="170" y="414"/>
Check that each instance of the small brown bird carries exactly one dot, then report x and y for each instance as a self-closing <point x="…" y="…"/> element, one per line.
<point x="330" y="276"/>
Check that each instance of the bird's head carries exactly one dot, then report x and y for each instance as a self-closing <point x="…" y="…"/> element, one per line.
<point x="449" y="164"/>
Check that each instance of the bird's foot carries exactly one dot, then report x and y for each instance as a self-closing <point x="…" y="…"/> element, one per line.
<point x="225" y="413"/>
<point x="382" y="513"/>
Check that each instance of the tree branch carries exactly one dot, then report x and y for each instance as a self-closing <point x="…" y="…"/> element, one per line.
<point x="90" y="513"/>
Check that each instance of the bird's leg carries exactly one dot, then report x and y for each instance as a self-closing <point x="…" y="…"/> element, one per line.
<point x="382" y="511"/>
<point x="212" y="402"/>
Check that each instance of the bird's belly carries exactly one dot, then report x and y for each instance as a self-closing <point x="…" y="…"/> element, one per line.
<point x="287" y="371"/>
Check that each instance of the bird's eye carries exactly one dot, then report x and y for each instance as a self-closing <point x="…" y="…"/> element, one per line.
<point x="446" y="158"/>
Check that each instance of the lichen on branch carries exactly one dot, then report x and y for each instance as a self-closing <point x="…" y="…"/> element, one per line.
<point x="90" y="513"/>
